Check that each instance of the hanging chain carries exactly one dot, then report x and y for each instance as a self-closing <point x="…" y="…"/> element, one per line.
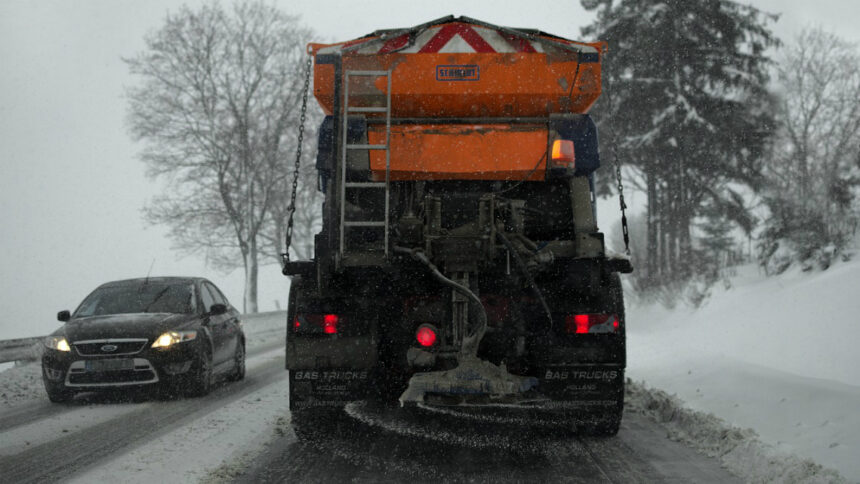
<point x="291" y="210"/>
<point x="624" y="229"/>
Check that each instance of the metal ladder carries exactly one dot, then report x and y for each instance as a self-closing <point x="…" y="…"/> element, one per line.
<point x="344" y="223"/>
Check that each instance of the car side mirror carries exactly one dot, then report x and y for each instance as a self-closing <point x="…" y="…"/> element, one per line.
<point x="64" y="315"/>
<point x="217" y="309"/>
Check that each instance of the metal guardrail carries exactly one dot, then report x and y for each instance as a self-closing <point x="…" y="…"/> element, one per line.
<point x="20" y="349"/>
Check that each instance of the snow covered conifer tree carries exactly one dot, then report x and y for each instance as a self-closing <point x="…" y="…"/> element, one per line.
<point x="685" y="103"/>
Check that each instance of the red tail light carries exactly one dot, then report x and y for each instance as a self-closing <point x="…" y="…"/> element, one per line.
<point x="330" y="323"/>
<point x="317" y="323"/>
<point x="426" y="335"/>
<point x="591" y="323"/>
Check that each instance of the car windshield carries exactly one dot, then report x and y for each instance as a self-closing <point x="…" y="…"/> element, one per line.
<point x="143" y="298"/>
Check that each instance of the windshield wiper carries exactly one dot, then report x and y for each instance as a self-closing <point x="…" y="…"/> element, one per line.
<point x="157" y="297"/>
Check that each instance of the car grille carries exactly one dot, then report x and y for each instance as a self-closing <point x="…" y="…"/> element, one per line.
<point x="108" y="377"/>
<point x="99" y="347"/>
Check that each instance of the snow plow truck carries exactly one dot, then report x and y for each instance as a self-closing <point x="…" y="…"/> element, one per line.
<point x="459" y="261"/>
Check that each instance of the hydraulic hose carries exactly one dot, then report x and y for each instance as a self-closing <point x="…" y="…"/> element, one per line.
<point x="526" y="274"/>
<point x="470" y="343"/>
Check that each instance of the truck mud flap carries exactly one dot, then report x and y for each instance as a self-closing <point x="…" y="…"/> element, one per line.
<point x="592" y="386"/>
<point x="329" y="387"/>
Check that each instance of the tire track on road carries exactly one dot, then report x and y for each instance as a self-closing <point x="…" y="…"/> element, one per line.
<point x="364" y="444"/>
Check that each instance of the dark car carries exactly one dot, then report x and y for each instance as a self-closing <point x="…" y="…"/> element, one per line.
<point x="174" y="332"/>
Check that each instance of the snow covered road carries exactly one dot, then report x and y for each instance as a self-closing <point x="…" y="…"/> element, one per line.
<point x="206" y="438"/>
<point x="241" y="432"/>
<point x="55" y="447"/>
<point x="373" y="445"/>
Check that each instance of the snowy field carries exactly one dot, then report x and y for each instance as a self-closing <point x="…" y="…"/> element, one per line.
<point x="762" y="378"/>
<point x="777" y="355"/>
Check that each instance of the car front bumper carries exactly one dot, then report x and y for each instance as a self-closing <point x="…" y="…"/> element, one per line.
<point x="147" y="366"/>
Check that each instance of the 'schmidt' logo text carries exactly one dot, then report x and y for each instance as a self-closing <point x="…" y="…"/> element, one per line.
<point x="458" y="73"/>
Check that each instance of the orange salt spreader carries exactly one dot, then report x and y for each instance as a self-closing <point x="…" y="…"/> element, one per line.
<point x="459" y="261"/>
<point x="469" y="100"/>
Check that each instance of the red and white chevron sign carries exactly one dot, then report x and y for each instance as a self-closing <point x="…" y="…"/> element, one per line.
<point x="452" y="37"/>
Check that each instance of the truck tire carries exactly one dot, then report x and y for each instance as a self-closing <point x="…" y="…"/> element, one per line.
<point x="312" y="424"/>
<point x="607" y="422"/>
<point x="391" y="379"/>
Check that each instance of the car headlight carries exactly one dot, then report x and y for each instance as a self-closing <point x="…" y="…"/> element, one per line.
<point x="172" y="337"/>
<point x="58" y="343"/>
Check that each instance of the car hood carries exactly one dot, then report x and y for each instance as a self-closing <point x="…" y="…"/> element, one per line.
<point x="138" y="325"/>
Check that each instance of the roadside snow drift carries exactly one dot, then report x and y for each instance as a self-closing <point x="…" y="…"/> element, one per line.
<point x="776" y="355"/>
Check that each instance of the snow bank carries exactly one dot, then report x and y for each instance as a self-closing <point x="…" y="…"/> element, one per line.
<point x="21" y="384"/>
<point x="802" y="323"/>
<point x="739" y="450"/>
<point x="264" y="328"/>
<point x="776" y="355"/>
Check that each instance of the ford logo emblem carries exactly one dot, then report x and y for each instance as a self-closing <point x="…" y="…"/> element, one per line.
<point x="109" y="348"/>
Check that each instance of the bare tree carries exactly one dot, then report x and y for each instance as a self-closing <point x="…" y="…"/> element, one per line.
<point x="218" y="97"/>
<point x="307" y="220"/>
<point x="813" y="173"/>
<point x="820" y="104"/>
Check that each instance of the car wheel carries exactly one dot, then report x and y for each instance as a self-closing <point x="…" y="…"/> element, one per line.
<point x="239" y="363"/>
<point x="202" y="375"/>
<point x="59" y="393"/>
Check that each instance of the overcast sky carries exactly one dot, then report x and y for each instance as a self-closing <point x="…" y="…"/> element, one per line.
<point x="71" y="188"/>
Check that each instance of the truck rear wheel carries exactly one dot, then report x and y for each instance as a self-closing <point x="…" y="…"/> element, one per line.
<point x="592" y="391"/>
<point x="607" y="422"/>
<point x="312" y="424"/>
